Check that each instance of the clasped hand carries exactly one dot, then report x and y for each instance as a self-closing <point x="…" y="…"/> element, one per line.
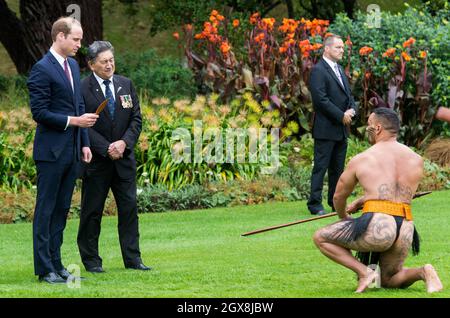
<point x="116" y="149"/>
<point x="348" y="115"/>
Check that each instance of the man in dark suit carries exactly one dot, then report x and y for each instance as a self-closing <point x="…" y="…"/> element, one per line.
<point x="60" y="141"/>
<point x="113" y="165"/>
<point x="334" y="109"/>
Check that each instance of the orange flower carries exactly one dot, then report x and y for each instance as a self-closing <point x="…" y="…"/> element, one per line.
<point x="289" y="25"/>
<point x="290" y="42"/>
<point x="235" y="23"/>
<point x="304" y="43"/>
<point x="283" y="49"/>
<point x="316" y="46"/>
<point x="254" y="18"/>
<point x="365" y="50"/>
<point x="268" y="23"/>
<point x="317" y="26"/>
<point x="348" y="42"/>
<point x="367" y="75"/>
<point x="409" y="42"/>
<point x="422" y="54"/>
<point x="389" y="52"/>
<point x="406" y="57"/>
<point x="260" y="37"/>
<point x="290" y="36"/>
<point x="214" y="38"/>
<point x="176" y="35"/>
<point x="214" y="13"/>
<point x="305" y="47"/>
<point x="225" y="47"/>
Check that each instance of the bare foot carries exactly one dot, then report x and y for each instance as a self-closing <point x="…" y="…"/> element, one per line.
<point x="432" y="279"/>
<point x="366" y="280"/>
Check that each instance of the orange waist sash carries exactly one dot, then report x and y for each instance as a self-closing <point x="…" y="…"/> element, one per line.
<point x="388" y="207"/>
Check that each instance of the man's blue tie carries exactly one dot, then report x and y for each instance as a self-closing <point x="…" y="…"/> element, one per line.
<point x="108" y="94"/>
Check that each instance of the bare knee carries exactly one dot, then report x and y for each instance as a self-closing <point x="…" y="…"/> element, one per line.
<point x="318" y="238"/>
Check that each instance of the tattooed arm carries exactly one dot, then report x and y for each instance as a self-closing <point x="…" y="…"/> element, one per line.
<point x="356" y="205"/>
<point x="344" y="188"/>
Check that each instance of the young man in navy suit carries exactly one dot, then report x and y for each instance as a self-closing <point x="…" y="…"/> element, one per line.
<point x="61" y="140"/>
<point x="334" y="109"/>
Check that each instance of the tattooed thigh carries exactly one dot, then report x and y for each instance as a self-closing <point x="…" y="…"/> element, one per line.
<point x="391" y="261"/>
<point x="380" y="234"/>
<point x="332" y="234"/>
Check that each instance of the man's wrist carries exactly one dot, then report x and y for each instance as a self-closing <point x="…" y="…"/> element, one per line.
<point x="73" y="121"/>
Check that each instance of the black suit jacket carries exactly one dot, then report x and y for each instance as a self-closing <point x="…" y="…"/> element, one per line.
<point x="330" y="101"/>
<point x="127" y="124"/>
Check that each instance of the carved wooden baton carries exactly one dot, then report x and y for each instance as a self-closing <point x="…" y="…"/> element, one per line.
<point x="101" y="106"/>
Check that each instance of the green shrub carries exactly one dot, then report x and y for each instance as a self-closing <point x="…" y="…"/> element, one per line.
<point x="157" y="198"/>
<point x="299" y="178"/>
<point x="157" y="144"/>
<point x="17" y="168"/>
<point x="13" y="92"/>
<point x="435" y="177"/>
<point x="156" y="75"/>
<point x="414" y="87"/>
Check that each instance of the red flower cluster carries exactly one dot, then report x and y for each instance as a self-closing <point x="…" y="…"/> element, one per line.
<point x="389" y="52"/>
<point x="365" y="50"/>
<point x="409" y="42"/>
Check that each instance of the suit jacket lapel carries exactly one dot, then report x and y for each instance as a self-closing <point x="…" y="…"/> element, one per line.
<point x="96" y="90"/>
<point x="118" y="89"/>
<point x="60" y="70"/>
<point x="333" y="74"/>
<point x="76" y="87"/>
<point x="345" y="80"/>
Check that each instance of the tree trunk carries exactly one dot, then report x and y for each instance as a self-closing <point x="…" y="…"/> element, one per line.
<point x="12" y="36"/>
<point x="28" y="39"/>
<point x="349" y="7"/>
<point x="290" y="9"/>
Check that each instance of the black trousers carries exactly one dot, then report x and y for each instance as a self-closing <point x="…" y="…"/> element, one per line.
<point x="329" y="155"/>
<point x="97" y="181"/>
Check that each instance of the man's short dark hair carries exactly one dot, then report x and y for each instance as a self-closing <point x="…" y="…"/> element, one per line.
<point x="98" y="47"/>
<point x="388" y="119"/>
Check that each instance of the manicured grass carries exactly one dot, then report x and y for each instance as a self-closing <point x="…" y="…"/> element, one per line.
<point x="201" y="254"/>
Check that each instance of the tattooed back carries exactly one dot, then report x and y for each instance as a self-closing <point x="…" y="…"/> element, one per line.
<point x="389" y="171"/>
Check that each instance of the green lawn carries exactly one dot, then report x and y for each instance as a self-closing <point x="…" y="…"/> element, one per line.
<point x="201" y="254"/>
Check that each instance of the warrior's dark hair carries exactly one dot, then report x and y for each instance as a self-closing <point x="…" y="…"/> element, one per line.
<point x="388" y="119"/>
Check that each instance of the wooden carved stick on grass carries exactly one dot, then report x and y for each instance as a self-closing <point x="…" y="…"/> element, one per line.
<point x="417" y="195"/>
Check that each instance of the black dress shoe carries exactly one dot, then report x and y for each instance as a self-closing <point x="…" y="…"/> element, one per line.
<point x="64" y="273"/>
<point x="139" y="266"/>
<point x="95" y="269"/>
<point x="52" y="278"/>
